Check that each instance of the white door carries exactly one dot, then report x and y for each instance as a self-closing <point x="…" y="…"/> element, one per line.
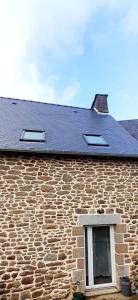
<point x="99" y="256"/>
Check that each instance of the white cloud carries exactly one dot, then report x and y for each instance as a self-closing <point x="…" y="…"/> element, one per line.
<point x="69" y="93"/>
<point x="34" y="89"/>
<point x="130" y="21"/>
<point x="60" y="23"/>
<point x="26" y="27"/>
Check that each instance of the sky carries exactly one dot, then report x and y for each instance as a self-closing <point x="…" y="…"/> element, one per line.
<point x="65" y="52"/>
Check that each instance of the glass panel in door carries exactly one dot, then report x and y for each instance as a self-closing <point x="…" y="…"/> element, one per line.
<point x="102" y="270"/>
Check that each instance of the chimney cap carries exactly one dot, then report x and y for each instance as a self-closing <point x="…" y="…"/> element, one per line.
<point x="100" y="103"/>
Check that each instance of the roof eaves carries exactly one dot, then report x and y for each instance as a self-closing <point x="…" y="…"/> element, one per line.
<point x="96" y="154"/>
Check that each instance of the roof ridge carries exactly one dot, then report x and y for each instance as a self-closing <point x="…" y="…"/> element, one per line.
<point x="25" y="100"/>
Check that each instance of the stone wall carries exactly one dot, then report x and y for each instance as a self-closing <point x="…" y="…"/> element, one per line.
<point x="40" y="199"/>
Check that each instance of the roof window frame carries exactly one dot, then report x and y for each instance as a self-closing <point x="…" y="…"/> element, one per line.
<point x="105" y="144"/>
<point x="24" y="139"/>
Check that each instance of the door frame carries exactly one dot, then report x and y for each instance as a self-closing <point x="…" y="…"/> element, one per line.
<point x="90" y="258"/>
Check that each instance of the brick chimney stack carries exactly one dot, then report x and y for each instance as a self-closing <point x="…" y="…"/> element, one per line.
<point x="100" y="103"/>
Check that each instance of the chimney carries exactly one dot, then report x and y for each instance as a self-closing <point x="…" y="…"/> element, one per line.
<point x="100" y="103"/>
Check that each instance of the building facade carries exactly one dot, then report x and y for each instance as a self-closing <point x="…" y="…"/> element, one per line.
<point x="68" y="222"/>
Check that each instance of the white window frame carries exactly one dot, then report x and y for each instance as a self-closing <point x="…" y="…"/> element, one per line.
<point x="90" y="258"/>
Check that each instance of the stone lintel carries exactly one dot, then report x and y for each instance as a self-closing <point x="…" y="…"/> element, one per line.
<point x="103" y="219"/>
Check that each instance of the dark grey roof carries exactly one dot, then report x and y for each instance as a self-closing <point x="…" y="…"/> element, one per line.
<point x="131" y="126"/>
<point x="64" y="127"/>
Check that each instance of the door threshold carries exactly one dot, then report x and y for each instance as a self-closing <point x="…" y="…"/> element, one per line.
<point x="101" y="291"/>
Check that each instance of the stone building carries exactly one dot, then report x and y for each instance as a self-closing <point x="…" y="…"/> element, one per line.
<point x="68" y="200"/>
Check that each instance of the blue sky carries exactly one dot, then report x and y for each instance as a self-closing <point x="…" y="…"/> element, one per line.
<point x="67" y="51"/>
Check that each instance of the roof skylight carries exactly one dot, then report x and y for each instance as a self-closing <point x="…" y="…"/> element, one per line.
<point x="33" y="136"/>
<point x="95" y="140"/>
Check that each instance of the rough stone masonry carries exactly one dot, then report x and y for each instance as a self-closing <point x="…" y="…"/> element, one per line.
<point x="41" y="197"/>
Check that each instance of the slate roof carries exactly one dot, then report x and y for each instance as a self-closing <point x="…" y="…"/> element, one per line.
<point x="64" y="127"/>
<point x="131" y="126"/>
